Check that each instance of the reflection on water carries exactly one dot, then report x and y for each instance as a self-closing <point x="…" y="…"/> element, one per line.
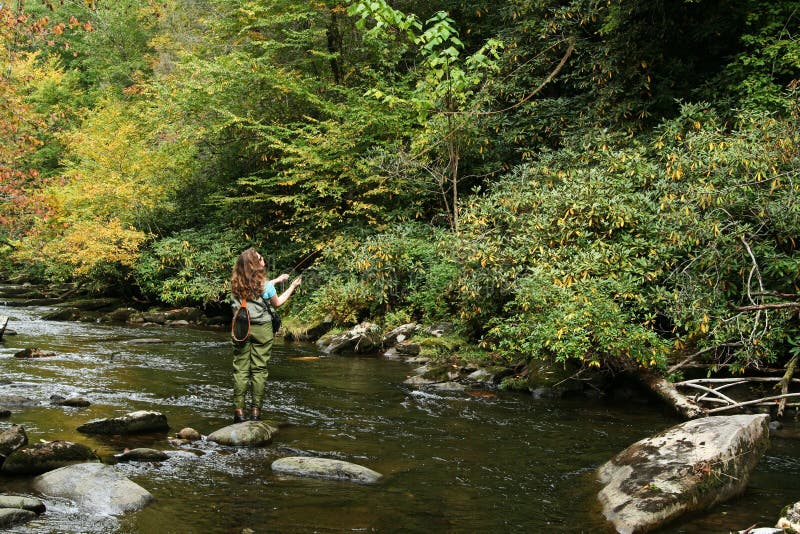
<point x="453" y="462"/>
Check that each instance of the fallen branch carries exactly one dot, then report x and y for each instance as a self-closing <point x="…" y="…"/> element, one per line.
<point x="751" y="402"/>
<point x="728" y="380"/>
<point x="784" y="383"/>
<point x="714" y="391"/>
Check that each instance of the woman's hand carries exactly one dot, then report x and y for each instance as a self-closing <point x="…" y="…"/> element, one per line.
<point x="297" y="281"/>
<point x="282" y="278"/>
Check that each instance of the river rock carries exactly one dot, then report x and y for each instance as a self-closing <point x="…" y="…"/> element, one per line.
<point x="790" y="518"/>
<point x="362" y="338"/>
<point x="327" y="468"/>
<point x="392" y="354"/>
<point x="72" y="402"/>
<point x="401" y="333"/>
<point x="24" y="503"/>
<point x="140" y="422"/>
<point x="408" y="349"/>
<point x="14" y="516"/>
<point x="12" y="439"/>
<point x="62" y="314"/>
<point x="448" y="386"/>
<point x="96" y="487"/>
<point x="189" y="434"/>
<point x="120" y="315"/>
<point x="142" y="455"/>
<point x="190" y="315"/>
<point x="33" y="353"/>
<point x="4" y="413"/>
<point x="689" y="467"/>
<point x="418" y="381"/>
<point x="246" y="434"/>
<point x="42" y="457"/>
<point x="309" y="332"/>
<point x="3" y="324"/>
<point x="94" y="303"/>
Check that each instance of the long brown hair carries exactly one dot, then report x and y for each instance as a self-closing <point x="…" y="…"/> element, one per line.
<point x="247" y="280"/>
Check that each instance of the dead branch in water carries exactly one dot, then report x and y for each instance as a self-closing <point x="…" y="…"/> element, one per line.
<point x="784" y="383"/>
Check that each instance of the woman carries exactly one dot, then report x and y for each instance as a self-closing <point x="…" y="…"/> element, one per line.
<point x="249" y="282"/>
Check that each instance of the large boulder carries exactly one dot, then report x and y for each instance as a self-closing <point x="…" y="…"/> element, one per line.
<point x="97" y="488"/>
<point x="12" y="439"/>
<point x="327" y="468"/>
<point x="363" y="338"/>
<point x="790" y="518"/>
<point x="141" y="422"/>
<point x="689" y="467"/>
<point x="246" y="434"/>
<point x="42" y="457"/>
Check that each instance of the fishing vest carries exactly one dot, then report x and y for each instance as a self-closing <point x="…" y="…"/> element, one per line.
<point x="257" y="308"/>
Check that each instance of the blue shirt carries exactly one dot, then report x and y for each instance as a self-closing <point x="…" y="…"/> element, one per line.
<point x="269" y="291"/>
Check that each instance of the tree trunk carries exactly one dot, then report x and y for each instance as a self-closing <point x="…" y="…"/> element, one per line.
<point x="667" y="392"/>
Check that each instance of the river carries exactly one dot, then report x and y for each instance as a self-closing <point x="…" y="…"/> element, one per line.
<point x="453" y="462"/>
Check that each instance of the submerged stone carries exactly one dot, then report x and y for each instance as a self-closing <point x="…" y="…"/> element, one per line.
<point x="141" y="422"/>
<point x="14" y="516"/>
<point x="95" y="487"/>
<point x="33" y="353"/>
<point x="246" y="434"/>
<point x="689" y="467"/>
<point x="304" y="466"/>
<point x="142" y="455"/>
<point x="72" y="402"/>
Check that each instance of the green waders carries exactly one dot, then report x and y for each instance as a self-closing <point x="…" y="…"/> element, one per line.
<point x="250" y="364"/>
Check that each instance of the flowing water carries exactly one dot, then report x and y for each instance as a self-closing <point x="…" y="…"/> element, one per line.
<point x="453" y="462"/>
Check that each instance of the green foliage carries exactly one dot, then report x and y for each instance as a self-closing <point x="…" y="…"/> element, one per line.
<point x="396" y="270"/>
<point x="728" y="205"/>
<point x="189" y="267"/>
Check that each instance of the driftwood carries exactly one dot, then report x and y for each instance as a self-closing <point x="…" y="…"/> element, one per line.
<point x="711" y="392"/>
<point x="784" y="384"/>
<point x="667" y="391"/>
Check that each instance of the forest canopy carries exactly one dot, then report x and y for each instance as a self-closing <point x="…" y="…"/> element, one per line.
<point x="613" y="184"/>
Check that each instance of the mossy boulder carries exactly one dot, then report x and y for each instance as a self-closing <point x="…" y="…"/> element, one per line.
<point x="139" y="422"/>
<point x="42" y="457"/>
<point x="686" y="468"/>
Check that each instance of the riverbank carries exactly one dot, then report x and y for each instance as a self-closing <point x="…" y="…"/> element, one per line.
<point x="442" y="359"/>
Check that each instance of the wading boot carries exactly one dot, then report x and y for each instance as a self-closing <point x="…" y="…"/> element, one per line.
<point x="256" y="415"/>
<point x="238" y="416"/>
